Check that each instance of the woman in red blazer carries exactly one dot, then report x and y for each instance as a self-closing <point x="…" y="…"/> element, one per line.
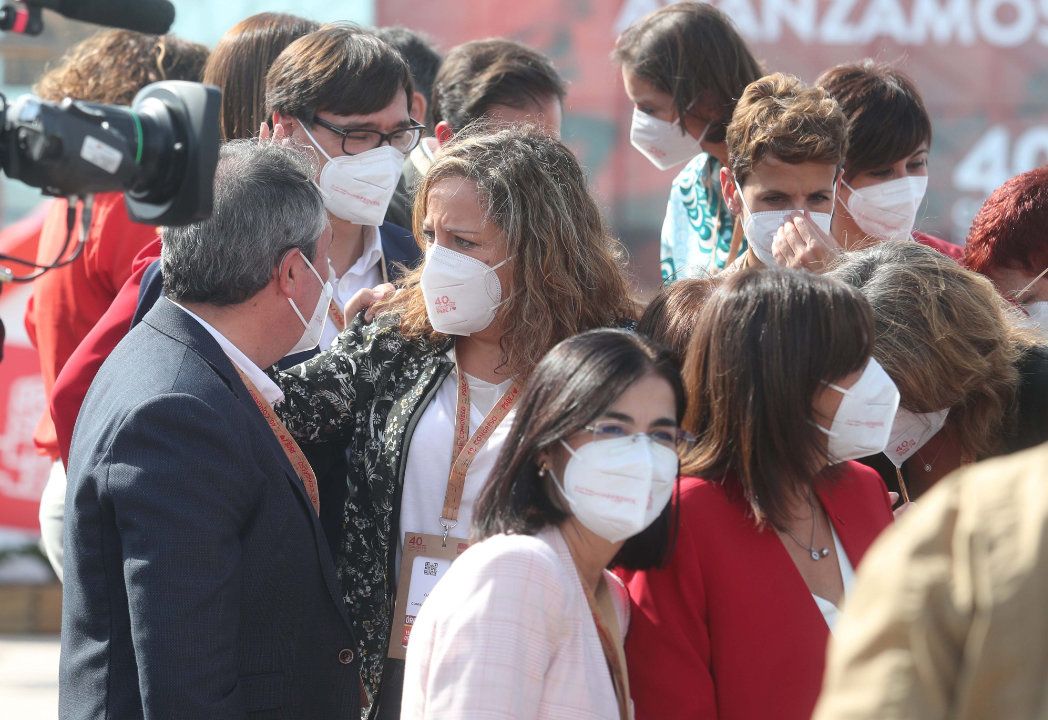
<point x="782" y="393"/>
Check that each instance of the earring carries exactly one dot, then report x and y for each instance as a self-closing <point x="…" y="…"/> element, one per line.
<point x="542" y="470"/>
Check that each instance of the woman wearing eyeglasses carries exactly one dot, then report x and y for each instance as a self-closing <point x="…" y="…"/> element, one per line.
<point x="774" y="516"/>
<point x="421" y="400"/>
<point x="529" y="623"/>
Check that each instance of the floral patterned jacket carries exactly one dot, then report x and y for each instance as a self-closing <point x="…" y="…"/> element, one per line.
<point x="367" y="393"/>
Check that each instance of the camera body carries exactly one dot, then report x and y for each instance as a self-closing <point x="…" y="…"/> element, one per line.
<point x="161" y="151"/>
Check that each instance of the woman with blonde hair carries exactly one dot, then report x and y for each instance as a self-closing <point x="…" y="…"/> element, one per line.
<point x="972" y="381"/>
<point x="517" y="259"/>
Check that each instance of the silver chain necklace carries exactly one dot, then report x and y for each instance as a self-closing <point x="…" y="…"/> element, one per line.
<point x="813" y="552"/>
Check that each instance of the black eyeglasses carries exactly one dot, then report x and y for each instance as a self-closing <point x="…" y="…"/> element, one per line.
<point x="356" y="141"/>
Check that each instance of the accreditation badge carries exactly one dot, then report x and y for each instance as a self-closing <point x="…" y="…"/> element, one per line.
<point x="425" y="560"/>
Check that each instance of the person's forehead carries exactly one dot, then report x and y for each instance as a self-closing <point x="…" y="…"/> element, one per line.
<point x="395" y="113"/>
<point x="774" y="173"/>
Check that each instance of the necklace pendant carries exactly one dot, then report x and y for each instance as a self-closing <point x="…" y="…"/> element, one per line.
<point x="815" y="554"/>
<point x="927" y="468"/>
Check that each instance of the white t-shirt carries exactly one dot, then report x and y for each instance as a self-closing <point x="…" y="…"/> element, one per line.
<point x="831" y="612"/>
<point x="366" y="272"/>
<point x="429" y="457"/>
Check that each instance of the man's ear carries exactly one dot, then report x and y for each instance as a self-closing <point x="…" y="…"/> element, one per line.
<point x="729" y="192"/>
<point x="443" y="132"/>
<point x="419" y="106"/>
<point x="287" y="272"/>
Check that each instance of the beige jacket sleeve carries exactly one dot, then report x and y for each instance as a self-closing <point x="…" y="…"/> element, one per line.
<point x="949" y="617"/>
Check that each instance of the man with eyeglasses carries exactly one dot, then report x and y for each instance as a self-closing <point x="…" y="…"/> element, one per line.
<point x="347" y="94"/>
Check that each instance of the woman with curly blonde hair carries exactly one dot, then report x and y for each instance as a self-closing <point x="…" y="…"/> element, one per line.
<point x="973" y="382"/>
<point x="518" y="258"/>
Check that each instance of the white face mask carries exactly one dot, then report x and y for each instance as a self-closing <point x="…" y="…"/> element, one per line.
<point x="358" y="188"/>
<point x="911" y="431"/>
<point x="863" y="421"/>
<point x="760" y="227"/>
<point x="888" y="210"/>
<point x="616" y="488"/>
<point x="1037" y="316"/>
<point x="461" y="292"/>
<point x="662" y="142"/>
<point x="314" y="328"/>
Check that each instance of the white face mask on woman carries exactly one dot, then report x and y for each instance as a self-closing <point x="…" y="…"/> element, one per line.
<point x="863" y="422"/>
<point x="663" y="142"/>
<point x="617" y="487"/>
<point x="461" y="293"/>
<point x="760" y="227"/>
<point x="888" y="210"/>
<point x="358" y="187"/>
<point x="911" y="431"/>
<point x="314" y="327"/>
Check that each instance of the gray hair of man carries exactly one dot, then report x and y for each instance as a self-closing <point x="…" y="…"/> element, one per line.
<point x="266" y="204"/>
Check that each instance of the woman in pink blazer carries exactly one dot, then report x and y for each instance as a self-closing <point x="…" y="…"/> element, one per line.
<point x="528" y="623"/>
<point x="774" y="518"/>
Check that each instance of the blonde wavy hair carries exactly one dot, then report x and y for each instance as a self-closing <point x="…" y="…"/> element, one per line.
<point x="779" y="115"/>
<point x="568" y="274"/>
<point x="944" y="335"/>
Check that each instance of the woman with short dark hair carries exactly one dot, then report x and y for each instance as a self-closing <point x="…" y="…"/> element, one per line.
<point x="782" y="394"/>
<point x="528" y="622"/>
<point x="886" y="168"/>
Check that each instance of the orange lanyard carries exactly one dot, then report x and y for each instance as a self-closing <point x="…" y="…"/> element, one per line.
<point x="336" y="316"/>
<point x="466" y="447"/>
<point x="294" y="453"/>
<point x="335" y="312"/>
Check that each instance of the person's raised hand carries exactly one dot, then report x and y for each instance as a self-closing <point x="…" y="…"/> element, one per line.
<point x="800" y="243"/>
<point x="898" y="511"/>
<point x="276" y="135"/>
<point x="366" y="299"/>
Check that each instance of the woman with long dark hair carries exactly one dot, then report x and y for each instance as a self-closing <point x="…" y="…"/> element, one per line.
<point x="684" y="67"/>
<point x="782" y="394"/>
<point x="528" y="623"/>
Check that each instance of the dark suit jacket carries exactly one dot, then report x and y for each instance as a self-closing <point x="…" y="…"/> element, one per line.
<point x="197" y="580"/>
<point x="399" y="250"/>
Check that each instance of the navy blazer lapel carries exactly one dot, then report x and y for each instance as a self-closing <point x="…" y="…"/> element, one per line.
<point x="169" y="319"/>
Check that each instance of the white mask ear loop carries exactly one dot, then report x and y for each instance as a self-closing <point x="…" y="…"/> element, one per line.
<point x="1030" y="285"/>
<point x="314" y="140"/>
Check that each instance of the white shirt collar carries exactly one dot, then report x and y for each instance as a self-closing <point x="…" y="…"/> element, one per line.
<point x="269" y="389"/>
<point x="370" y="256"/>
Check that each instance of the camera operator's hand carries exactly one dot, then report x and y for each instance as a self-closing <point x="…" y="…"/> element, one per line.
<point x="366" y="299"/>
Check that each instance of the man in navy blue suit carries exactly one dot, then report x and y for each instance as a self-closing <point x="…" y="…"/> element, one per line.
<point x="198" y="583"/>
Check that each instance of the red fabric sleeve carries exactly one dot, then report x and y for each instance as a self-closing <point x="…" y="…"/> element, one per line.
<point x="80" y="369"/>
<point x="946" y="247"/>
<point x="68" y="301"/>
<point x="668" y="644"/>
